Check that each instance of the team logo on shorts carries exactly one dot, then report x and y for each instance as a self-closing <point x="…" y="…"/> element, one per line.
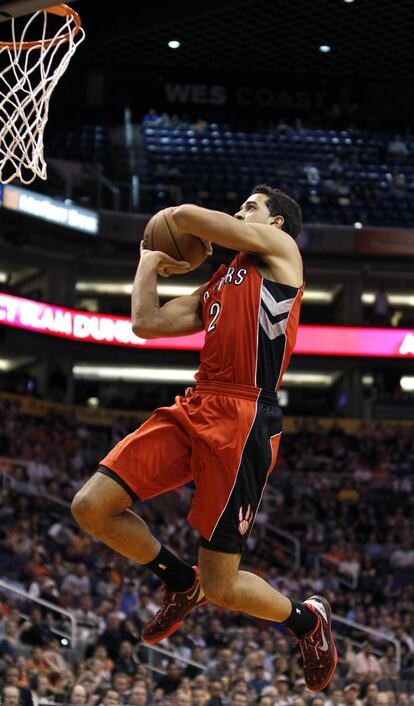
<point x="245" y="519"/>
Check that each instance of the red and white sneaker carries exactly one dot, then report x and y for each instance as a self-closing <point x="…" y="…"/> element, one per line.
<point x="318" y="648"/>
<point x="174" y="608"/>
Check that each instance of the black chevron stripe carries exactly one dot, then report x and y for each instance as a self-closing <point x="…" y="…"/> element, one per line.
<point x="278" y="317"/>
<point x="280" y="292"/>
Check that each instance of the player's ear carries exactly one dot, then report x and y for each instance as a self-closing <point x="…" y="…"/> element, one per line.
<point x="277" y="221"/>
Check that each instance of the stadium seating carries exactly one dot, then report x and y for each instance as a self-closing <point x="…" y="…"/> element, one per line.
<point x="340" y="176"/>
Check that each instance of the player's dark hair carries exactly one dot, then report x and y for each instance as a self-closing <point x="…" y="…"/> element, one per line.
<point x="280" y="204"/>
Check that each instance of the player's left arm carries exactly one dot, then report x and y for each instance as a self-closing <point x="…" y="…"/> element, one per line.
<point x="232" y="233"/>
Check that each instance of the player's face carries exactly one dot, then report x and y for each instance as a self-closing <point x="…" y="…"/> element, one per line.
<point x="254" y="210"/>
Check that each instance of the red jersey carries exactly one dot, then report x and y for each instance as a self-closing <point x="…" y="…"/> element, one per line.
<point x="251" y="325"/>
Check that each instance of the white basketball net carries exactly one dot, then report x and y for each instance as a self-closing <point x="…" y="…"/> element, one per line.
<point x="27" y="79"/>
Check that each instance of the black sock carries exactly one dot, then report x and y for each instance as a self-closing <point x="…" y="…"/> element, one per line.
<point x="301" y="620"/>
<point x="176" y="574"/>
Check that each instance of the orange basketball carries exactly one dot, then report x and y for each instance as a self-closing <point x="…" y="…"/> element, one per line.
<point x="162" y="234"/>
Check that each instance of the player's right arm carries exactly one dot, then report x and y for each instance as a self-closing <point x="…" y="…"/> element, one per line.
<point x="178" y="317"/>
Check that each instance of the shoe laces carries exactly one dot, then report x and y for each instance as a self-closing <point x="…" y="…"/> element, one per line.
<point x="310" y="652"/>
<point x="165" y="599"/>
<point x="309" y="649"/>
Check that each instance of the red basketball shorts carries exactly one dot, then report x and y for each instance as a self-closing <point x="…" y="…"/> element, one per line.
<point x="225" y="438"/>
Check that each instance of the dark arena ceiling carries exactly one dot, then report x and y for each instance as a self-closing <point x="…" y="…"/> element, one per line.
<point x="370" y="39"/>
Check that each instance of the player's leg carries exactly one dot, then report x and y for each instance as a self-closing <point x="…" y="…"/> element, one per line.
<point x="225" y="585"/>
<point x="148" y="462"/>
<point x="101" y="509"/>
<point x="224" y="509"/>
<point x="225" y="506"/>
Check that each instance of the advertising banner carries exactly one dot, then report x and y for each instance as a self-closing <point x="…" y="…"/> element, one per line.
<point x="83" y="326"/>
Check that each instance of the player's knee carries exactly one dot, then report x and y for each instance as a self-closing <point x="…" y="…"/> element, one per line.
<point x="85" y="511"/>
<point x="218" y="592"/>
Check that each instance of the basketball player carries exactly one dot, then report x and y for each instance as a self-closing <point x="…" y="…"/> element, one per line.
<point x="224" y="434"/>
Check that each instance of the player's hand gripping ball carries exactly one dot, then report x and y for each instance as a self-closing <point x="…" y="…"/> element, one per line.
<point x="161" y="234"/>
<point x="166" y="265"/>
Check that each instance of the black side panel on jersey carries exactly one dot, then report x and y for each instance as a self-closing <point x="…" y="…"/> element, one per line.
<point x="236" y="522"/>
<point x="271" y="343"/>
<point x="269" y="360"/>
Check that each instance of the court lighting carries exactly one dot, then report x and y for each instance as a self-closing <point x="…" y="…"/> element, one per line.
<point x="104" y="287"/>
<point x="309" y="379"/>
<point x="176" y="290"/>
<point x="122" y="373"/>
<point x="125" y="288"/>
<point x="325" y="48"/>
<point x="321" y="296"/>
<point x="407" y="383"/>
<point x="9" y="364"/>
<point x="3" y="276"/>
<point x="174" y="44"/>
<point x="317" y="296"/>
<point x="92" y="402"/>
<point x="394" y="299"/>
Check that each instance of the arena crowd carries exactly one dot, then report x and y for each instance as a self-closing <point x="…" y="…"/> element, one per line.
<point x="347" y="498"/>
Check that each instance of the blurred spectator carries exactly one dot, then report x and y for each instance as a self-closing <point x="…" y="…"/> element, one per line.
<point x="403" y="558"/>
<point x="381" y="311"/>
<point x="122" y="683"/>
<point x="171" y="680"/>
<point x="364" y="666"/>
<point x="10" y="646"/>
<point x="351" y="695"/>
<point x="36" y="631"/>
<point x="200" y="124"/>
<point x="259" y="681"/>
<point x="39" y="690"/>
<point x="336" y="698"/>
<point x="61" y="531"/>
<point x="126" y="661"/>
<point x="78" y="582"/>
<point x="112" y="636"/>
<point x="146" y="607"/>
<point x="284" y="698"/>
<point x="151" y="119"/>
<point x="397" y="147"/>
<point x="129" y="601"/>
<point x="312" y="174"/>
<point x="10" y="696"/>
<point x="11" y="679"/>
<point x="78" y="696"/>
<point x="106" y="585"/>
<point x="37" y="662"/>
<point x="138" y="696"/>
<point x="86" y="618"/>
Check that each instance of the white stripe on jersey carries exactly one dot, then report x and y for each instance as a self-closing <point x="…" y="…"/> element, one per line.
<point x="272" y="330"/>
<point x="274" y="306"/>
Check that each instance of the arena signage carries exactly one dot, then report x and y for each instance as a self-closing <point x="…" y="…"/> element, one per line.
<point x="246" y="96"/>
<point x="37" y="205"/>
<point x="75" y="325"/>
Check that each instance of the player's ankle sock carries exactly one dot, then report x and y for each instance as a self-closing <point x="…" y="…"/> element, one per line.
<point x="176" y="574"/>
<point x="301" y="620"/>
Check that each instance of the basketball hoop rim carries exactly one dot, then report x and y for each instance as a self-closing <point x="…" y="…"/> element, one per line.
<point x="63" y="11"/>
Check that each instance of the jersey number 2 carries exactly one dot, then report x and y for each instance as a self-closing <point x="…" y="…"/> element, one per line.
<point x="214" y="312"/>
